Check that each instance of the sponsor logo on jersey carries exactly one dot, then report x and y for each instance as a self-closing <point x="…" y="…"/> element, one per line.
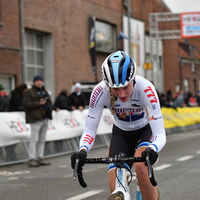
<point x="152" y="139"/>
<point x="95" y="96"/>
<point x="92" y="117"/>
<point x="135" y="105"/>
<point x="151" y="95"/>
<point x="117" y="105"/>
<point x="88" y="139"/>
<point x="154" y="106"/>
<point x="134" y="99"/>
<point x="129" y="114"/>
<point x="128" y="110"/>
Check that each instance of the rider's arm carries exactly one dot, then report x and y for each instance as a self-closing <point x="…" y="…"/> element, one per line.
<point x="98" y="100"/>
<point x="150" y="97"/>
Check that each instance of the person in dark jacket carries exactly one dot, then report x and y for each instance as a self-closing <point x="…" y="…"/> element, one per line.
<point x="76" y="99"/>
<point x="61" y="101"/>
<point x="16" y="100"/>
<point x="38" y="108"/>
<point x="15" y="105"/>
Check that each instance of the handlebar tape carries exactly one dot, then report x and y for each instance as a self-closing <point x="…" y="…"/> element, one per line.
<point x="80" y="179"/>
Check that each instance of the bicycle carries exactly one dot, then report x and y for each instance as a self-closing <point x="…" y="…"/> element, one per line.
<point x="123" y="175"/>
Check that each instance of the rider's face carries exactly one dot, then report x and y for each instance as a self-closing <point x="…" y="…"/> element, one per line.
<point x="123" y="93"/>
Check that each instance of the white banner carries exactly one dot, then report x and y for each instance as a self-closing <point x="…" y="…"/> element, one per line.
<point x="64" y="125"/>
<point x="190" y="25"/>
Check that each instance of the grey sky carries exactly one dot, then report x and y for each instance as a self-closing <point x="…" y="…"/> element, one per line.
<point x="180" y="6"/>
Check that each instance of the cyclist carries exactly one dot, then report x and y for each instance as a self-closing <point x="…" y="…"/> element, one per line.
<point x="138" y="121"/>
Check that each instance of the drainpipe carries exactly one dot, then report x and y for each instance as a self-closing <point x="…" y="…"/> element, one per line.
<point x="126" y="4"/>
<point x="21" y="40"/>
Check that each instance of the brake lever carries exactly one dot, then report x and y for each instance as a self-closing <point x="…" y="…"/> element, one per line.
<point x="75" y="168"/>
<point x="150" y="170"/>
<point x="149" y="165"/>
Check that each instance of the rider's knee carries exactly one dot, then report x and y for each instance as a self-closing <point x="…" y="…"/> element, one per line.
<point x="140" y="170"/>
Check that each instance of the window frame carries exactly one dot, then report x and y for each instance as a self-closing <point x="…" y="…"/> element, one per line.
<point x="35" y="66"/>
<point x="113" y="34"/>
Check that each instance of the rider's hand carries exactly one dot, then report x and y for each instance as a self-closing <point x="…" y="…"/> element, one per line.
<point x="153" y="156"/>
<point x="81" y="155"/>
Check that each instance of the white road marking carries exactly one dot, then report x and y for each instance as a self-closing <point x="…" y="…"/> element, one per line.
<point x="161" y="167"/>
<point x="63" y="166"/>
<point x="185" y="158"/>
<point x="7" y="173"/>
<point x="13" y="178"/>
<point x="198" y="152"/>
<point x="85" y="195"/>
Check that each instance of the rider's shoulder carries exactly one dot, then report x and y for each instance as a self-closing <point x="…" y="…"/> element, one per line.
<point x="142" y="82"/>
<point x="101" y="87"/>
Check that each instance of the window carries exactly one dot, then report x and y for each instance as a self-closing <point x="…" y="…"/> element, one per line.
<point x="186" y="85"/>
<point x="105" y="36"/>
<point x="34" y="55"/>
<point x="7" y="82"/>
<point x="39" y="58"/>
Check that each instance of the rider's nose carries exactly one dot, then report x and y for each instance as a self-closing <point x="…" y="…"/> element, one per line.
<point x="121" y="93"/>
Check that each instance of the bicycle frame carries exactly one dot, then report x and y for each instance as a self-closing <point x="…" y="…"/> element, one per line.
<point x="122" y="184"/>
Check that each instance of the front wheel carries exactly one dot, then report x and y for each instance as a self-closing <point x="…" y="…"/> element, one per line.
<point x="116" y="196"/>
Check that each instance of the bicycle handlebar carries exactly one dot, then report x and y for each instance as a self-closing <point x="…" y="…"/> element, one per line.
<point x="117" y="159"/>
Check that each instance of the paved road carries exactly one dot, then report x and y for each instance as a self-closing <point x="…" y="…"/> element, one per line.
<point x="177" y="173"/>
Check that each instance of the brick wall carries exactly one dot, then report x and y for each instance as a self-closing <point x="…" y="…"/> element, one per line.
<point x="67" y="21"/>
<point x="10" y="39"/>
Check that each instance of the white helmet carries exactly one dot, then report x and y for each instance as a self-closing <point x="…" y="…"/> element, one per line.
<point x="118" y="69"/>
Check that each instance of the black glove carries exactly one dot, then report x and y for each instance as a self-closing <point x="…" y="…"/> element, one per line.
<point x="81" y="155"/>
<point x="153" y="156"/>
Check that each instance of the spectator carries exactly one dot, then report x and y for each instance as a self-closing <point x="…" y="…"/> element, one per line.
<point x="61" y="101"/>
<point x="17" y="98"/>
<point x="169" y="98"/>
<point x="15" y="104"/>
<point x="180" y="100"/>
<point x="2" y="92"/>
<point x="163" y="100"/>
<point x="76" y="99"/>
<point x="191" y="100"/>
<point x="198" y="97"/>
<point x="38" y="108"/>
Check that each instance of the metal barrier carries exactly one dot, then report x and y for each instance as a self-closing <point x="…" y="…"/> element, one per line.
<point x="18" y="153"/>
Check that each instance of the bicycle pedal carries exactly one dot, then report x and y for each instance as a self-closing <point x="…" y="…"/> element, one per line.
<point x="116" y="196"/>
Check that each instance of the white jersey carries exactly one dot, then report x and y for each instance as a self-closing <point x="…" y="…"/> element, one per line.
<point x="143" y="107"/>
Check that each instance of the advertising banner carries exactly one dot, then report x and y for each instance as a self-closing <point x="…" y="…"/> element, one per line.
<point x="190" y="24"/>
<point x="64" y="125"/>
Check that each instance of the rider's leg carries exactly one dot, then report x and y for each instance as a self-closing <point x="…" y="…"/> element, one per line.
<point x="148" y="191"/>
<point x="112" y="179"/>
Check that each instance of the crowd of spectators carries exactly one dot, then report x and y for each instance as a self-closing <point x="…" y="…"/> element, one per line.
<point x="181" y="99"/>
<point x="63" y="101"/>
<point x="36" y="103"/>
<point x="75" y="100"/>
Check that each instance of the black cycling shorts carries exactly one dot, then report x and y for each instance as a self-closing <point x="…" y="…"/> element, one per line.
<point x="126" y="142"/>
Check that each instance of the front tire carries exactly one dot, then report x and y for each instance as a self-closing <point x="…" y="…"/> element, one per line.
<point x="116" y="196"/>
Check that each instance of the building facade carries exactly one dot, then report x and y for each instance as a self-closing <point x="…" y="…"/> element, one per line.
<point x="53" y="39"/>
